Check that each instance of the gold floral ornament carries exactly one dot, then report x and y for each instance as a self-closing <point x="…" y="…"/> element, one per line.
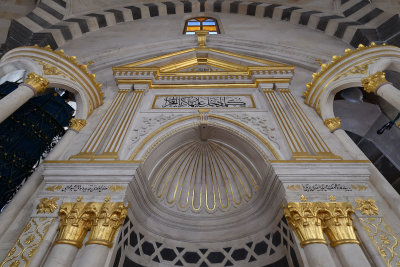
<point x="373" y="82"/>
<point x="77" y="124"/>
<point x="107" y="222"/>
<point x="304" y="220"/>
<point x="332" y="123"/>
<point x="47" y="205"/>
<point x="75" y="221"/>
<point x="366" y="206"/>
<point x="337" y="223"/>
<point x="116" y="188"/>
<point x="37" y="83"/>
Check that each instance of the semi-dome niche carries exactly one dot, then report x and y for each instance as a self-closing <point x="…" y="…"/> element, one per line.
<point x="204" y="176"/>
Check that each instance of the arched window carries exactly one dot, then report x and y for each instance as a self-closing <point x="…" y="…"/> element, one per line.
<point x="201" y="23"/>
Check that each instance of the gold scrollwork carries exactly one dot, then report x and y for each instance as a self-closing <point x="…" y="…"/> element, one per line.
<point x="294" y="187"/>
<point x="374" y="81"/>
<point x="37" y="82"/>
<point x="77" y="124"/>
<point x="47" y="205"/>
<point x="27" y="243"/>
<point x="366" y="206"/>
<point x="383" y="238"/>
<point x="332" y="123"/>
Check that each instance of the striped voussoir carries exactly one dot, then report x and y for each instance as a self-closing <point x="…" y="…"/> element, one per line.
<point x="361" y="22"/>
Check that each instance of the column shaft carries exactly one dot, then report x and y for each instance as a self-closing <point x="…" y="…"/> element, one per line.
<point x="61" y="255"/>
<point x="14" y="100"/>
<point x="92" y="256"/>
<point x="318" y="256"/>
<point x="390" y="93"/>
<point x="351" y="255"/>
<point x="61" y="146"/>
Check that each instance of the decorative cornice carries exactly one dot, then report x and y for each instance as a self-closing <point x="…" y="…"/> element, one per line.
<point x="367" y="206"/>
<point x="304" y="220"/>
<point x="337" y="223"/>
<point x="107" y="222"/>
<point x="77" y="124"/>
<point x="37" y="83"/>
<point x="372" y="83"/>
<point x="332" y="123"/>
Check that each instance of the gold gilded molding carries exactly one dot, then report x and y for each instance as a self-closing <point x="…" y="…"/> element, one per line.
<point x="22" y="252"/>
<point x="201" y="38"/>
<point x="337" y="223"/>
<point x="373" y="82"/>
<point x="37" y="83"/>
<point x="367" y="206"/>
<point x="110" y="217"/>
<point x="47" y="205"/>
<point x="73" y="61"/>
<point x="75" y="220"/>
<point x="332" y="123"/>
<point x="334" y="62"/>
<point x="304" y="220"/>
<point x="77" y="124"/>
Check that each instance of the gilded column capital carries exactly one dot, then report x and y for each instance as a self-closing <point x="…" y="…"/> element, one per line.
<point x="332" y="123"/>
<point x="304" y="220"/>
<point x="367" y="206"/>
<point x="108" y="220"/>
<point x="75" y="220"/>
<point x="337" y="223"/>
<point x="373" y="82"/>
<point x="77" y="124"/>
<point x="37" y="83"/>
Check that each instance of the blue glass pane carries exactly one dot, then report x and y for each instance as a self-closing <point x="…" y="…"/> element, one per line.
<point x="193" y="23"/>
<point x="209" y="23"/>
<point x="188" y="33"/>
<point x="212" y="33"/>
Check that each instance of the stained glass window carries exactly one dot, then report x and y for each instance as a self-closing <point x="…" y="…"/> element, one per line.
<point x="201" y="23"/>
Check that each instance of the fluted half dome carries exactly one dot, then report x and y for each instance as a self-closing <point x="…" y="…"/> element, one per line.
<point x="204" y="176"/>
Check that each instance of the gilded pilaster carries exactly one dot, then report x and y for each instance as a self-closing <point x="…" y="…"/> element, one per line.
<point x="107" y="222"/>
<point x="77" y="124"/>
<point x="337" y="223"/>
<point x="37" y="83"/>
<point x="372" y="83"/>
<point x="305" y="222"/>
<point x="76" y="218"/>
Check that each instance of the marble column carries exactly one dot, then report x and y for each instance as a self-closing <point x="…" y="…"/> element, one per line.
<point x="75" y="221"/>
<point x="33" y="85"/>
<point x="108" y="220"/>
<point x="304" y="220"/>
<point x="377" y="83"/>
<point x="338" y="227"/>
<point x="74" y="127"/>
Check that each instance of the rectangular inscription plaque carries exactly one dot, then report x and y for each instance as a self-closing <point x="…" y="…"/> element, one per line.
<point x="203" y="101"/>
